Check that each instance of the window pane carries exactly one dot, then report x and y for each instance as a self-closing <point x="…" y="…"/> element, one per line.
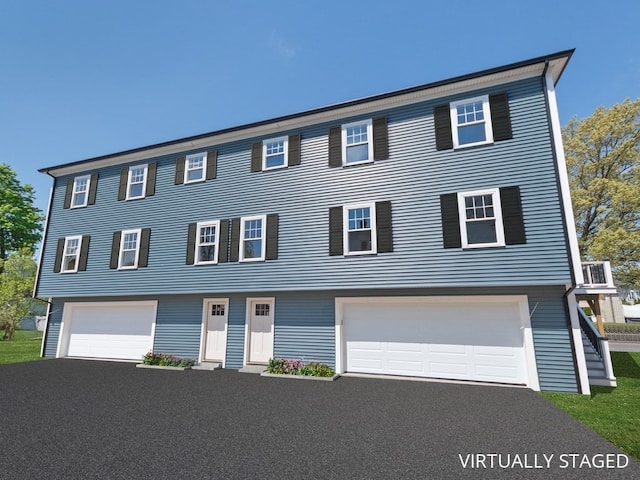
<point x="193" y="175"/>
<point x="360" y="241"/>
<point x="207" y="253"/>
<point x="275" y="160"/>
<point x="137" y="175"/>
<point x="252" y="249"/>
<point x="358" y="153"/>
<point x="128" y="258"/>
<point x="359" y="218"/>
<point x="471" y="134"/>
<point x="274" y="148"/>
<point x="130" y="241"/>
<point x="252" y="229"/>
<point x="135" y="190"/>
<point x="357" y="134"/>
<point x="79" y="198"/>
<point x="483" y="231"/>
<point x="208" y="234"/>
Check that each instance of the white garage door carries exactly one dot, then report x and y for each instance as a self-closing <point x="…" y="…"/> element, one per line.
<point x="463" y="338"/>
<point x="118" y="330"/>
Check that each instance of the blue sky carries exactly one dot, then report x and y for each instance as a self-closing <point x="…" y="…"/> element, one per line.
<point x="79" y="79"/>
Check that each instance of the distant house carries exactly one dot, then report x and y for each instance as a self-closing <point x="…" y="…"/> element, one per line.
<point x="425" y="232"/>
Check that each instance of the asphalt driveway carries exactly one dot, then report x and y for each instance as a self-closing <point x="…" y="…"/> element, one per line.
<point x="74" y="419"/>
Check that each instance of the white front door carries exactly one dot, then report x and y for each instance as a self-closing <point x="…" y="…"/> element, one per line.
<point x="260" y="335"/>
<point x="215" y="344"/>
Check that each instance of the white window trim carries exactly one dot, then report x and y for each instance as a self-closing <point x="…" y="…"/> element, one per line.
<point x="216" y="224"/>
<point x="64" y="253"/>
<point x="369" y="124"/>
<point x="286" y="152"/>
<point x="263" y="239"/>
<point x="187" y="170"/>
<point x="144" y="181"/>
<point x="497" y="210"/>
<point x="75" y="191"/>
<point x="488" y="128"/>
<point x="138" y="231"/>
<point x="345" y="228"/>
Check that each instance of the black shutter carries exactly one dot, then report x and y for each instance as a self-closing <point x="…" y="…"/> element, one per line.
<point x="380" y="139"/>
<point x="223" y="239"/>
<point x="512" y="218"/>
<point x="212" y="164"/>
<point x="383" y="226"/>
<point x="115" y="250"/>
<point x="234" y="253"/>
<point x="122" y="189"/>
<point x="179" y="179"/>
<point x="151" y="179"/>
<point x="59" y="252"/>
<point x="68" y="192"/>
<point x="450" y="220"/>
<point x="84" y="253"/>
<point x="191" y="243"/>
<point x="335" y="147"/>
<point x="335" y="231"/>
<point x="143" y="254"/>
<point x="93" y="188"/>
<point x="256" y="157"/>
<point x="272" y="237"/>
<point x="294" y="150"/>
<point x="500" y="118"/>
<point x="442" y="122"/>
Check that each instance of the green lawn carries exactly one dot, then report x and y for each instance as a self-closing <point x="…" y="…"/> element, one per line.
<point x="611" y="412"/>
<point x="24" y="347"/>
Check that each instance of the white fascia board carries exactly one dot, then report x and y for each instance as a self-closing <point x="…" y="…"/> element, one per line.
<point x="327" y="114"/>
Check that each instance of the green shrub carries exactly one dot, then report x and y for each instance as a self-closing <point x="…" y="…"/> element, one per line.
<point x="284" y="366"/>
<point x="166" y="360"/>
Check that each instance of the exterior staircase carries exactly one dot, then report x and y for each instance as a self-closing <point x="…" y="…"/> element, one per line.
<point x="596" y="352"/>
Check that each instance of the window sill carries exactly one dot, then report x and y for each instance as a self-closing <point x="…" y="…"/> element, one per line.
<point x="188" y="182"/>
<point x="352" y="164"/>
<point x="72" y="207"/>
<point x="360" y="254"/>
<point x="483" y="245"/>
<point x="468" y="145"/>
<point x="251" y="260"/>
<point x="205" y="263"/>
<point x="133" y="198"/>
<point x="279" y="167"/>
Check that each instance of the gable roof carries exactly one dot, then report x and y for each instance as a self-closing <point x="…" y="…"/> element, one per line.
<point x="553" y="64"/>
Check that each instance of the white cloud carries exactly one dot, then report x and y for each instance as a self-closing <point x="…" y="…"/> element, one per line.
<point x="283" y="48"/>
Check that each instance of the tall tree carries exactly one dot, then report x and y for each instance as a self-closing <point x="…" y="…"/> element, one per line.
<point x="20" y="220"/>
<point x="16" y="285"/>
<point x="603" y="159"/>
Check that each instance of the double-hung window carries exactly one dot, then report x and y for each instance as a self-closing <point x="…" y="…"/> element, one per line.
<point x="252" y="238"/>
<point x="195" y="168"/>
<point x="359" y="229"/>
<point x="274" y="153"/>
<point x="136" y="182"/>
<point x="80" y="194"/>
<point x="129" y="249"/>
<point x="481" y="218"/>
<point x="71" y="254"/>
<point x="357" y="145"/>
<point x="471" y="122"/>
<point x="207" y="243"/>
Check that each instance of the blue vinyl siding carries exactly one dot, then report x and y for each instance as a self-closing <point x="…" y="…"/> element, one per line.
<point x="305" y="326"/>
<point x="413" y="178"/>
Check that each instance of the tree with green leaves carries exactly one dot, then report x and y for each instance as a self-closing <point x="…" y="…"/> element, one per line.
<point x="16" y="284"/>
<point x="603" y="160"/>
<point x="20" y="220"/>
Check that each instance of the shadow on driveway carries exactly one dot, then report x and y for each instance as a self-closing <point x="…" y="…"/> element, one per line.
<point x="75" y="419"/>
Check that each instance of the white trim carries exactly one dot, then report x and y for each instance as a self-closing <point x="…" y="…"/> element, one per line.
<point x="144" y="181"/>
<point x="330" y="114"/>
<point x="369" y="124"/>
<point x="373" y="228"/>
<point x="206" y="304"/>
<point x="137" y="231"/>
<point x="43" y="243"/>
<point x="576" y="337"/>
<point x="521" y="300"/>
<point x="67" y="308"/>
<point x="199" y="225"/>
<point x="565" y="191"/>
<point x="45" y="332"/>
<point x="86" y="195"/>
<point x="64" y="253"/>
<point x="285" y="140"/>
<point x="263" y="238"/>
<point x="247" y="323"/>
<point x="497" y="211"/>
<point x="187" y="170"/>
<point x="486" y="113"/>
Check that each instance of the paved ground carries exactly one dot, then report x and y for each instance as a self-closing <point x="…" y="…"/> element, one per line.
<point x="73" y="419"/>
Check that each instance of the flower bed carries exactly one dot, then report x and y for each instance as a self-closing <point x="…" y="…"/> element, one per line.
<point x="298" y="369"/>
<point x="166" y="360"/>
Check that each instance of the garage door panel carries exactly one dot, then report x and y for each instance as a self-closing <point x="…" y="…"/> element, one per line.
<point x="443" y="339"/>
<point x="110" y="330"/>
